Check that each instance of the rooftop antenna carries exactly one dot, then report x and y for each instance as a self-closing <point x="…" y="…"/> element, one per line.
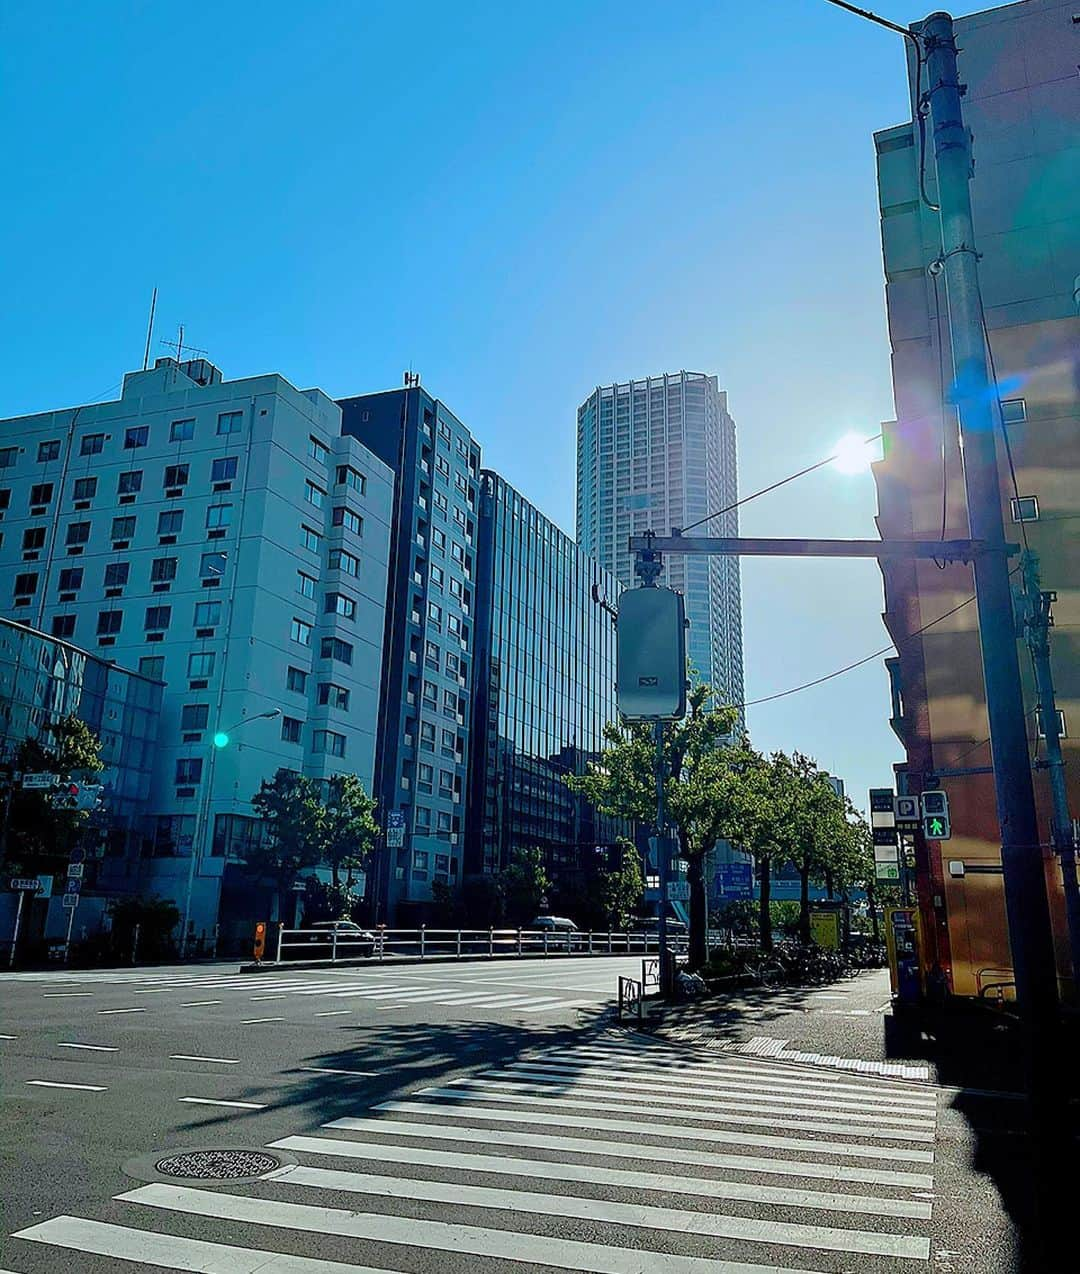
<point x="149" y="331"/>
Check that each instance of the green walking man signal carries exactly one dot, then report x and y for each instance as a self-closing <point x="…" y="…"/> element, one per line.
<point x="935" y="816"/>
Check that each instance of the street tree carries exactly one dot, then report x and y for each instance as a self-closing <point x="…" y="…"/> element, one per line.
<point x="523" y="885"/>
<point x="346" y="828"/>
<point x="290" y="809"/>
<point x="620" y="884"/>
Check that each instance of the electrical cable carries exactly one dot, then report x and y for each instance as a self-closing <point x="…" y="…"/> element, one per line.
<point x="820" y="464"/>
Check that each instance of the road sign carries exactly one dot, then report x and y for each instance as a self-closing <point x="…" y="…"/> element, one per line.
<point x="73" y="886"/>
<point x="678" y="891"/>
<point x="735" y="880"/>
<point x="75" y="870"/>
<point x="77" y="856"/>
<point x="28" y="884"/>
<point x="906" y="810"/>
<point x="935" y="816"/>
<point x="37" y="782"/>
<point x="881" y="800"/>
<point x="884" y="835"/>
<point x="46" y="883"/>
<point x="395" y="829"/>
<point x="71" y="901"/>
<point x="650" y="655"/>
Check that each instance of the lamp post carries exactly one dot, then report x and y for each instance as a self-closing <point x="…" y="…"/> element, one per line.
<point x="222" y="739"/>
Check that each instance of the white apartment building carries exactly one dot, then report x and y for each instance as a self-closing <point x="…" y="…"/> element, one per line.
<point x="225" y="538"/>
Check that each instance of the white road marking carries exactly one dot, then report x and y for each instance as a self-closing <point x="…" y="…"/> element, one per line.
<point x="470" y="1240"/>
<point x="66" y="995"/>
<point x="107" y="1012"/>
<point x="335" y="1013"/>
<point x="170" y="1251"/>
<point x="8" y="1037"/>
<point x="681" y="1132"/>
<point x="469" y="1162"/>
<point x="236" y="1105"/>
<point x="254" y="1021"/>
<point x="266" y="997"/>
<point x="51" y="1083"/>
<point x="91" y="1048"/>
<point x="637" y="1150"/>
<point x="193" y="1057"/>
<point x="333" y="1070"/>
<point x="198" y="1004"/>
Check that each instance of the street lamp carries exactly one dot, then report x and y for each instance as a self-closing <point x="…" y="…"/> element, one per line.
<point x="221" y="740"/>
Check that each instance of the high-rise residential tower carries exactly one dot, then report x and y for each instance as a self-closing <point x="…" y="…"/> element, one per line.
<point x="659" y="453"/>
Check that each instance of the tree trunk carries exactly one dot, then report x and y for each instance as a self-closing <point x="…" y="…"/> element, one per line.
<point x="699" y="912"/>
<point x="829" y="882"/>
<point x="871" y="903"/>
<point x="804" y="903"/>
<point x="764" y="912"/>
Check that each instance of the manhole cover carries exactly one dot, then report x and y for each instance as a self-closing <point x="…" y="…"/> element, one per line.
<point x="218" y="1165"/>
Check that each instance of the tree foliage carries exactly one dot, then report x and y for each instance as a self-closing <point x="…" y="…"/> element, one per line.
<point x="523" y="885"/>
<point x="621" y="884"/>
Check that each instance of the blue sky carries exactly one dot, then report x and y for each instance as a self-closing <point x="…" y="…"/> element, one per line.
<point x="518" y="201"/>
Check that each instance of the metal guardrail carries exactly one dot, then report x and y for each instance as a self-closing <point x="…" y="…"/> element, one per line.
<point x="329" y="947"/>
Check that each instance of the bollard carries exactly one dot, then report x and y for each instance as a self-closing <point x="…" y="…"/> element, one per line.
<point x="135" y="944"/>
<point x="609" y="942"/>
<point x="423" y="940"/>
<point x="545" y="941"/>
<point x="519" y="940"/>
<point x="491" y="941"/>
<point x="333" y="945"/>
<point x="590" y="942"/>
<point x="280" y="940"/>
<point x="459" y="944"/>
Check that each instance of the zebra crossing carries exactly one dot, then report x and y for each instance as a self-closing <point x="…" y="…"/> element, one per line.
<point x="384" y="991"/>
<point x="614" y="1156"/>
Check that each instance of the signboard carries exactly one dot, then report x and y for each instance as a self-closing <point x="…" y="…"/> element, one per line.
<point x="678" y="891"/>
<point x="38" y="782"/>
<point x="825" y="929"/>
<point x="30" y="884"/>
<point x="735" y="880"/>
<point x="881" y="800"/>
<point x="886" y="863"/>
<point x="73" y="886"/>
<point x="906" y="811"/>
<point x="46" y="883"/>
<point x="75" y="870"/>
<point x="395" y="829"/>
<point x="71" y="900"/>
<point x="650" y="655"/>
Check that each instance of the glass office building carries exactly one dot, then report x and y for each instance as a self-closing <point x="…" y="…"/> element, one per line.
<point x="544" y="686"/>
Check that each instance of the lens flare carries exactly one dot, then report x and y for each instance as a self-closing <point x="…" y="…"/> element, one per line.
<point x="853" y="454"/>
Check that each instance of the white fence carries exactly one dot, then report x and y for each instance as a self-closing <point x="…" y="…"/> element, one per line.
<point x="329" y="947"/>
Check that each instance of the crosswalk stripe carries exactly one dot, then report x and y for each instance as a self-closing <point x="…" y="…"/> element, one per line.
<point x="791" y="1076"/>
<point x="472" y="1161"/>
<point x="171" y="1251"/>
<point x="476" y="1090"/>
<point x="638" y="1151"/>
<point x="362" y="988"/>
<point x="575" y="1207"/>
<point x="444" y="1236"/>
<point x="682" y="1132"/>
<point x="713" y="1099"/>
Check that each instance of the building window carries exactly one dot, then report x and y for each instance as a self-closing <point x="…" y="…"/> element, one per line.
<point x="1013" y="411"/>
<point x="431" y="692"/>
<point x="48" y="450"/>
<point x="136" y="436"/>
<point x="1025" y="508"/>
<point x="122" y="528"/>
<point x="181" y="431"/>
<point x="437" y="576"/>
<point x="296" y="679"/>
<point x="351" y="478"/>
<point x="157" y="617"/>
<point x="162" y="570"/>
<point x="333" y="696"/>
<point x="63" y="626"/>
<point x="26" y="585"/>
<point x="33" y="538"/>
<point x="1061" y="723"/>
<point x="300" y="632"/>
<point x="223" y="470"/>
<point x="305" y="584"/>
<point x="290" y="729"/>
<point x="188" y="770"/>
<point x="314" y="495"/>
<point x="212" y="565"/>
<point x="194" y="716"/>
<point x="218" y="516"/>
<point x="41" y="493"/>
<point x="450" y="702"/>
<point x="78" y="533"/>
<point x="116" y="574"/>
<point x="424" y="777"/>
<point x="92" y="445"/>
<point x="176" y="475"/>
<point x="207" y="614"/>
<point x="348" y="563"/>
<point x="454" y="624"/>
<point x="441" y="502"/>
<point x="456" y="588"/>
<point x="201" y="663"/>
<point x="427" y="736"/>
<point x="443" y="825"/>
<point x="340" y="604"/>
<point x="318" y="451"/>
<point x="446" y="783"/>
<point x="435" y="614"/>
<point x="438" y="539"/>
<point x="170" y="522"/>
<point x="152" y="666"/>
<point x="129" y="483"/>
<point x="453" y="664"/>
<point x="348" y="519"/>
<point x="310" y="539"/>
<point x="442" y="466"/>
<point x="328" y="742"/>
<point x="108" y="622"/>
<point x="340" y="651"/>
<point x="230" y="422"/>
<point x="71" y="579"/>
<point x="422" y="824"/>
<point x="431" y="654"/>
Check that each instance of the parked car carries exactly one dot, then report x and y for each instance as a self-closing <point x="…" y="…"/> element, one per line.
<point x="351" y="940"/>
<point x="557" y="924"/>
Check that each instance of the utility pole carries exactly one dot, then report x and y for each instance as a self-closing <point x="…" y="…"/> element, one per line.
<point x="1037" y="624"/>
<point x="1026" y="903"/>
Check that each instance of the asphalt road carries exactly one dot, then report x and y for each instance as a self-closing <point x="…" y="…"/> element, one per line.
<point x="470" y="1118"/>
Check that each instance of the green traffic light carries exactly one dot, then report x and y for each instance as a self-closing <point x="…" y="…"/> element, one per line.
<point x="221" y="739"/>
<point x="936" y="827"/>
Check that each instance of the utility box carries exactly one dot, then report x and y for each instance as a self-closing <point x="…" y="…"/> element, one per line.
<point x="650" y="678"/>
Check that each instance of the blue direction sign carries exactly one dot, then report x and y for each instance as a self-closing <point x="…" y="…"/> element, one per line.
<point x="73" y="886"/>
<point x="395" y="829"/>
<point x="735" y="880"/>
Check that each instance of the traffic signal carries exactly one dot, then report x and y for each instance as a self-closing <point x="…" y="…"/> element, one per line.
<point x="78" y="796"/>
<point x="935" y="816"/>
<point x="221" y="739"/>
